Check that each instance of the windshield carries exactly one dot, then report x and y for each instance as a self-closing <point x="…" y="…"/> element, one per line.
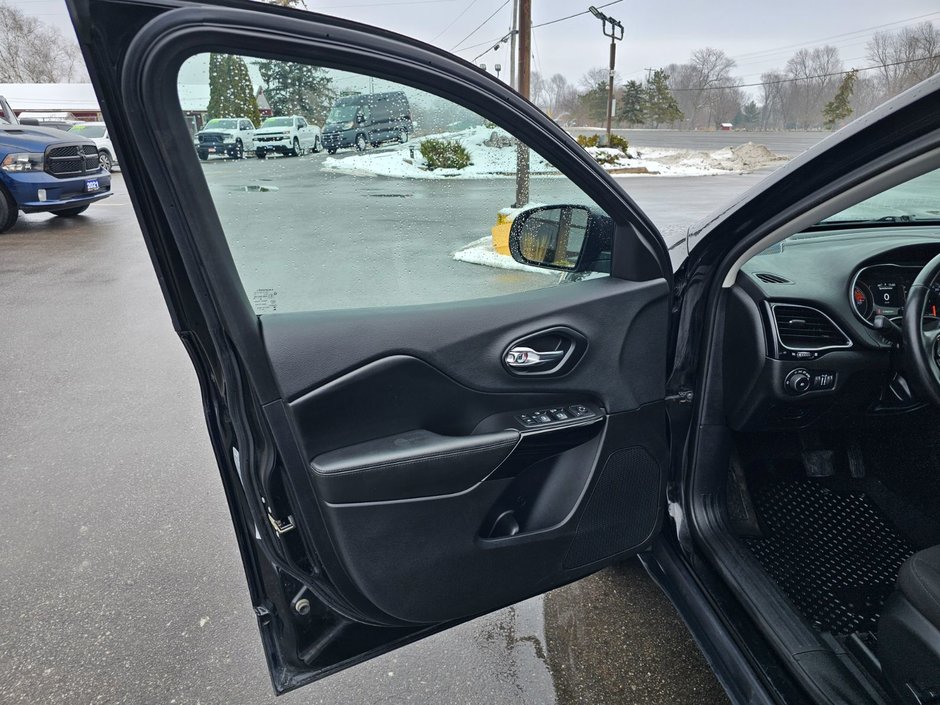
<point x="913" y="201"/>
<point x="278" y="122"/>
<point x="220" y="124"/>
<point x="343" y="113"/>
<point x="88" y="130"/>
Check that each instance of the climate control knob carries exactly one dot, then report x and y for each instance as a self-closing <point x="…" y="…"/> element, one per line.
<point x="798" y="381"/>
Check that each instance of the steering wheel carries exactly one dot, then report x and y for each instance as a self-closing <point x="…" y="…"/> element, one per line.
<point x="920" y="346"/>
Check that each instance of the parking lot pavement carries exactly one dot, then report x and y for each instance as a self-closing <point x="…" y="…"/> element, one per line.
<point x="119" y="573"/>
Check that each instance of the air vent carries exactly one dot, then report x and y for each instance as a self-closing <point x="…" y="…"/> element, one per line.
<point x="805" y="328"/>
<point x="769" y="278"/>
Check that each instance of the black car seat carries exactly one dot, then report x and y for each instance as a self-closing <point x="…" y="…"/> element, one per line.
<point x="909" y="630"/>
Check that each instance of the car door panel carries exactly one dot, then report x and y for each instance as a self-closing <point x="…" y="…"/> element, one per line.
<point x="374" y="460"/>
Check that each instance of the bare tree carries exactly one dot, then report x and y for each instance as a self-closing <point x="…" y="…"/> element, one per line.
<point x="34" y="52"/>
<point x="905" y="57"/>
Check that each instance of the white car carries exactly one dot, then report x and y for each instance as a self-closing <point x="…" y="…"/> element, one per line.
<point x="231" y="137"/>
<point x="288" y="135"/>
<point x="97" y="132"/>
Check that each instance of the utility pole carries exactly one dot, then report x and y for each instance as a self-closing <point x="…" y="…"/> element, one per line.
<point x="512" y="44"/>
<point x="522" y="77"/>
<point x="615" y="32"/>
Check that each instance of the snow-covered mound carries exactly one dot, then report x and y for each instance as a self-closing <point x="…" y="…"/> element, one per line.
<point x="481" y="252"/>
<point x="493" y="155"/>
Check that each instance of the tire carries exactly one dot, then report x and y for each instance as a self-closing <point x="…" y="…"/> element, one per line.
<point x="70" y="212"/>
<point x="295" y="148"/>
<point x="104" y="159"/>
<point x="361" y="142"/>
<point x="260" y="153"/>
<point x="239" y="151"/>
<point x="331" y="150"/>
<point x="403" y="136"/>
<point x="8" y="211"/>
<point x="316" y="144"/>
<point x="203" y="154"/>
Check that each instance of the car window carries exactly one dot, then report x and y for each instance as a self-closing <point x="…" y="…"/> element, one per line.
<point x="416" y="214"/>
<point x="88" y="130"/>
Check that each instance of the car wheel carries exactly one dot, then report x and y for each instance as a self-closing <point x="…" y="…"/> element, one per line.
<point x="239" y="152"/>
<point x="361" y="142"/>
<point x="104" y="159"/>
<point x="70" y="212"/>
<point x="203" y="154"/>
<point x="403" y="136"/>
<point x="331" y="150"/>
<point x="8" y="212"/>
<point x="295" y="150"/>
<point x="260" y="153"/>
<point x="316" y="144"/>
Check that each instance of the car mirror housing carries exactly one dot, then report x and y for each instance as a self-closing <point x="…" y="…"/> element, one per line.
<point x="569" y="238"/>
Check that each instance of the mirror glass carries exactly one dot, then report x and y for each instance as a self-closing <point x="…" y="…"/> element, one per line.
<point x="553" y="236"/>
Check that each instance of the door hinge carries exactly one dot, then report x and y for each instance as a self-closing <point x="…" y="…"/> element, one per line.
<point x="282" y="527"/>
<point x="683" y="396"/>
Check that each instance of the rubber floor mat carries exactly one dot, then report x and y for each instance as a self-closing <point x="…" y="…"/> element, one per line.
<point x="834" y="554"/>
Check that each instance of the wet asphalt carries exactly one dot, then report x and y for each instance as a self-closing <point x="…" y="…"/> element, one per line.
<point x="120" y="579"/>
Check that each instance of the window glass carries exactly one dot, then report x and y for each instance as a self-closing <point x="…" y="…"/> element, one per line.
<point x="412" y="209"/>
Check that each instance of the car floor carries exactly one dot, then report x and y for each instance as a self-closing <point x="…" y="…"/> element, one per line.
<point x="832" y="522"/>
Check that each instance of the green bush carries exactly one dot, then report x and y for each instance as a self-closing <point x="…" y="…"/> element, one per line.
<point x="616" y="142"/>
<point x="444" y="154"/>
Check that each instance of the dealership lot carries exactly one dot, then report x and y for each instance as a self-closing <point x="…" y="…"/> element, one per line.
<point x="115" y="518"/>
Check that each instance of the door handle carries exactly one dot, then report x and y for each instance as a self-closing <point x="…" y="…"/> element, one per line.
<point x="518" y="357"/>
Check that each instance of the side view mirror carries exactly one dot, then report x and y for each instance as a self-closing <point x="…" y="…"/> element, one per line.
<point x="360" y="118"/>
<point x="567" y="238"/>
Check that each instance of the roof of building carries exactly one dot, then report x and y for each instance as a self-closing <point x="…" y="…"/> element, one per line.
<point x="80" y="97"/>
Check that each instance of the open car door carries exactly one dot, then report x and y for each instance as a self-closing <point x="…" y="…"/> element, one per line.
<point x="406" y="440"/>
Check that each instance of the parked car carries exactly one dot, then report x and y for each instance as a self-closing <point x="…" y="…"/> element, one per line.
<point x="97" y="132"/>
<point x="752" y="411"/>
<point x="367" y="118"/>
<point x="231" y="137"/>
<point x="44" y="170"/>
<point x="288" y="136"/>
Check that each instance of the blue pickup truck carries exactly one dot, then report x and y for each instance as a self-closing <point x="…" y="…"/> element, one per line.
<point x="46" y="170"/>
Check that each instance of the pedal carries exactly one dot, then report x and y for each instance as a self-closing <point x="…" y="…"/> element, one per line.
<point x="818" y="463"/>
<point x="856" y="461"/>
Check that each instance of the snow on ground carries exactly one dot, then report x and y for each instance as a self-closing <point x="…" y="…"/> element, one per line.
<point x="487" y="161"/>
<point x="490" y="160"/>
<point x="481" y="252"/>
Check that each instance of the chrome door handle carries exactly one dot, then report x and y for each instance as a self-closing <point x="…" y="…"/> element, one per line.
<point x="527" y="357"/>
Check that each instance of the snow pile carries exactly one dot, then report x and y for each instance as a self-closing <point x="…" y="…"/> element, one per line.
<point x="493" y="155"/>
<point x="489" y="158"/>
<point x="481" y="252"/>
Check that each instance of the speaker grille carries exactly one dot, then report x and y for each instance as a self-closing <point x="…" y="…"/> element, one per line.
<point x="622" y="511"/>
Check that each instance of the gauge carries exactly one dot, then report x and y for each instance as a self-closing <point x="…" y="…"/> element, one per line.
<point x="933" y="301"/>
<point x="861" y="297"/>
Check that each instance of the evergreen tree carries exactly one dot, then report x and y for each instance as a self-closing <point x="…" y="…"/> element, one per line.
<point x="230" y="90"/>
<point x="297" y="89"/>
<point x="747" y="115"/>
<point x="661" y="105"/>
<point x="594" y="103"/>
<point x="839" y="108"/>
<point x="632" y="104"/>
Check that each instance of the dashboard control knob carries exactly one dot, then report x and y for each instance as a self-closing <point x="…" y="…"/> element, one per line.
<point x="798" y="381"/>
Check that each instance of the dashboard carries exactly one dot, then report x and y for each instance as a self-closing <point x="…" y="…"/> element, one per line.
<point x="881" y="290"/>
<point x="801" y="345"/>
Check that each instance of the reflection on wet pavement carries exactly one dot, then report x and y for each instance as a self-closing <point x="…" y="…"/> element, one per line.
<point x="614" y="638"/>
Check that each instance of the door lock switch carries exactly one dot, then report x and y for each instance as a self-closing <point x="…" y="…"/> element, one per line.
<point x="558" y="414"/>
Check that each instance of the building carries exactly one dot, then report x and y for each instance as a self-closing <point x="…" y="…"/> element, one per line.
<point x="66" y="101"/>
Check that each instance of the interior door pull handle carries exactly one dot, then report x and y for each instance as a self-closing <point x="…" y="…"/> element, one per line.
<point x="527" y="357"/>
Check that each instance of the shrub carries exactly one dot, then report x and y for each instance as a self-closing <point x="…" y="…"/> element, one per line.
<point x="616" y="142"/>
<point x="444" y="154"/>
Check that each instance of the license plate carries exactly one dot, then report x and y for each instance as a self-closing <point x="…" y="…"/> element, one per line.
<point x="211" y="149"/>
<point x="91" y="185"/>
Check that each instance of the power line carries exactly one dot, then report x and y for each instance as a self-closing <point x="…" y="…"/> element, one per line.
<point x="806" y="78"/>
<point x="481" y="25"/>
<point x="496" y="40"/>
<point x="453" y="21"/>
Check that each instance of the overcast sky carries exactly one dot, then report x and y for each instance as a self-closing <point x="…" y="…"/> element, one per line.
<point x="759" y="35"/>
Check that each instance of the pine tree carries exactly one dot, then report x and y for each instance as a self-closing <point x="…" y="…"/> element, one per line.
<point x="632" y="104"/>
<point x="230" y="91"/>
<point x="661" y="105"/>
<point x="839" y="108"/>
<point x="297" y="89"/>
